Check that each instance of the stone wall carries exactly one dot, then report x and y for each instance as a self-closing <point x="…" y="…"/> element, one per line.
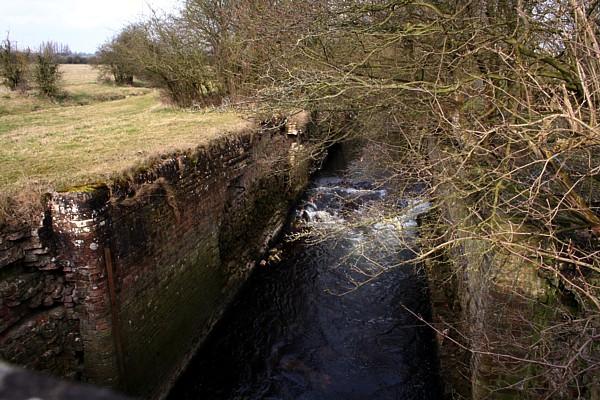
<point x="39" y="327"/>
<point x="511" y="322"/>
<point x="120" y="284"/>
<point x="498" y="315"/>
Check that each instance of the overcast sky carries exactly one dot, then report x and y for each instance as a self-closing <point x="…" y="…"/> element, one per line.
<point x="82" y="24"/>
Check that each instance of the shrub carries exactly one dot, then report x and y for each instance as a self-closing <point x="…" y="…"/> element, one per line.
<point x="47" y="74"/>
<point x="116" y="59"/>
<point x="13" y="65"/>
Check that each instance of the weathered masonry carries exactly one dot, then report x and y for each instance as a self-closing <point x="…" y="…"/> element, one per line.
<point x="119" y="284"/>
<point x="497" y="312"/>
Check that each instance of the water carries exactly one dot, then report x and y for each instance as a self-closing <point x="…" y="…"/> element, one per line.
<point x="330" y="320"/>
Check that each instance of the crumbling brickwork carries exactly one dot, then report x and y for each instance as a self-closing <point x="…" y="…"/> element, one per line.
<point x="120" y="284"/>
<point x="39" y="327"/>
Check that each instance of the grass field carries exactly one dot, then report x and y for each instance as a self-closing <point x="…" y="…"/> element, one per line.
<point x="49" y="146"/>
<point x="80" y="86"/>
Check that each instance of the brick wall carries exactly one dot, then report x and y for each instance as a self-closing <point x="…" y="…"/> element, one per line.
<point x="120" y="285"/>
<point x="39" y="327"/>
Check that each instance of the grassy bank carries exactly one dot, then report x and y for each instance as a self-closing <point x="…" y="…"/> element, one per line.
<point x="48" y="145"/>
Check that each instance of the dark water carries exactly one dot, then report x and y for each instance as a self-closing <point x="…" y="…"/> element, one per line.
<point x="327" y="322"/>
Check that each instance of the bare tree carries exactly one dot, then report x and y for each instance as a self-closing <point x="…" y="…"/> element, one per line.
<point x="495" y="104"/>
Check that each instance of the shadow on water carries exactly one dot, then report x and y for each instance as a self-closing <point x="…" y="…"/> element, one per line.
<point x="290" y="335"/>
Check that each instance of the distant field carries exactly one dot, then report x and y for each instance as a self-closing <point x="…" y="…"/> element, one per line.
<point x="80" y="85"/>
<point x="79" y="74"/>
<point x="45" y="146"/>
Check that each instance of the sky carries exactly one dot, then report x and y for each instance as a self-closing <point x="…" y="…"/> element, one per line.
<point x="81" y="24"/>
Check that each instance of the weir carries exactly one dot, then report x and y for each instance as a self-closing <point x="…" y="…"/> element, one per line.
<point x="331" y="315"/>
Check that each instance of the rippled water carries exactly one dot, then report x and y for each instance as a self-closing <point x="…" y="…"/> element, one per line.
<point x="328" y="321"/>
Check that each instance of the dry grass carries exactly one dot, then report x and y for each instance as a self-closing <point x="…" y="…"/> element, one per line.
<point x="63" y="146"/>
<point x="80" y="86"/>
<point x="79" y="74"/>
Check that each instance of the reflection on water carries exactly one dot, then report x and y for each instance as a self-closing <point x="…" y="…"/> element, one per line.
<point x="328" y="321"/>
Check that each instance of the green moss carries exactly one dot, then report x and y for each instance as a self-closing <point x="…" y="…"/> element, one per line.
<point x="164" y="321"/>
<point x="88" y="188"/>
